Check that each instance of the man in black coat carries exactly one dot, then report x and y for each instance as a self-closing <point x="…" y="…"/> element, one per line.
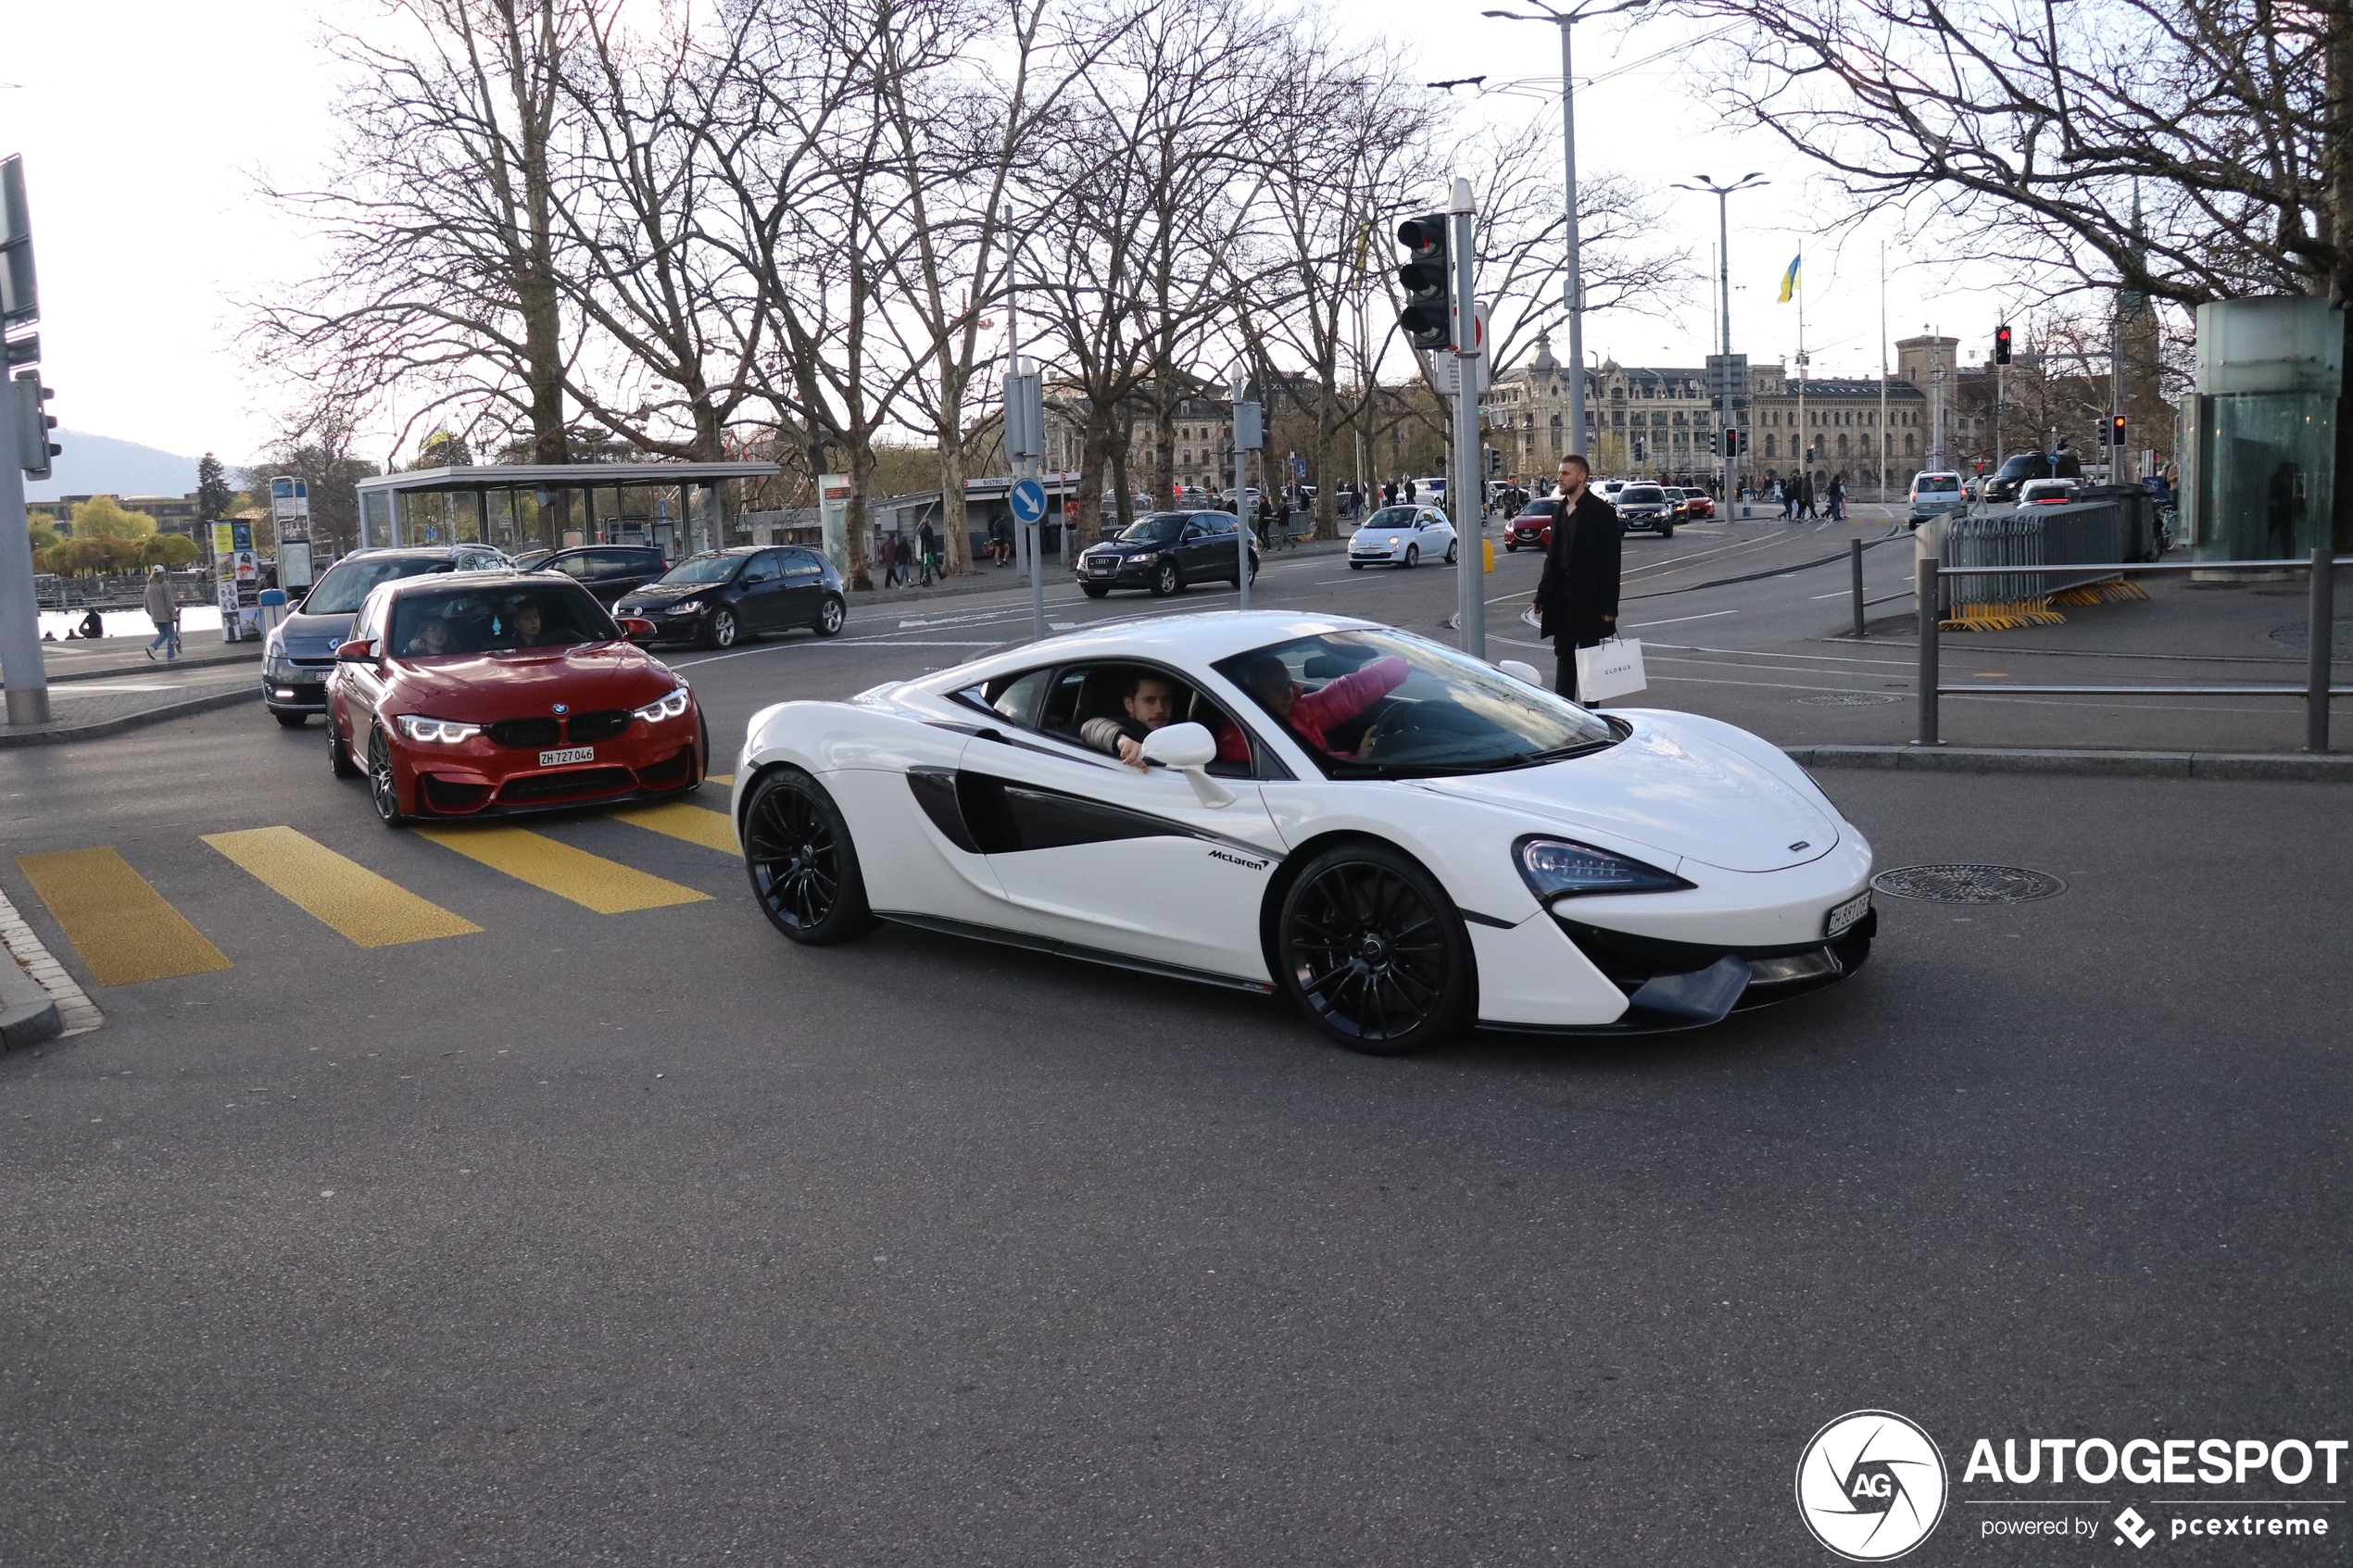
<point x="1577" y="597"/>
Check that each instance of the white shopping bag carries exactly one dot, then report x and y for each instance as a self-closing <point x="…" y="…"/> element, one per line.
<point x="1610" y="669"/>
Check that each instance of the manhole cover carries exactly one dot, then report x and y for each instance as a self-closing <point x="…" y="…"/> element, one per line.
<point x="1968" y="885"/>
<point x="1852" y="699"/>
<point x="2299" y="635"/>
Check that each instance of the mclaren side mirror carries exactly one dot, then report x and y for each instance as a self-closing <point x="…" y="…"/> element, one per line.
<point x="359" y="650"/>
<point x="1189" y="748"/>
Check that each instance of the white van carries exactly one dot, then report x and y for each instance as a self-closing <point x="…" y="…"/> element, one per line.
<point x="1935" y="494"/>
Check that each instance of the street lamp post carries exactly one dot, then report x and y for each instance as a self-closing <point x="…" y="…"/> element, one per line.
<point x="1574" y="288"/>
<point x="1724" y="278"/>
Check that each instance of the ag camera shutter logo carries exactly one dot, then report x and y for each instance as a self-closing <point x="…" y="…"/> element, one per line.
<point x="1871" y="1486"/>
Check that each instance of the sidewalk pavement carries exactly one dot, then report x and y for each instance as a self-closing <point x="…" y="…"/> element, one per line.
<point x="94" y="659"/>
<point x="107" y="701"/>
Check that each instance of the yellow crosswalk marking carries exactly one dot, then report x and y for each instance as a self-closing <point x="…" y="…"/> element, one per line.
<point x="696" y="824"/>
<point x="122" y="928"/>
<point x="344" y="894"/>
<point x="728" y="779"/>
<point x="591" y="881"/>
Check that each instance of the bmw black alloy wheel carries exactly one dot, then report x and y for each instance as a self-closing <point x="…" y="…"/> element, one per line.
<point x="803" y="865"/>
<point x="1373" y="950"/>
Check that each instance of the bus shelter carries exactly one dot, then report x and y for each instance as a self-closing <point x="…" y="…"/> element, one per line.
<point x="676" y="506"/>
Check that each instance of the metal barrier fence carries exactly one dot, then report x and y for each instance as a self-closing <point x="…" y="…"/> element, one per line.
<point x="2315" y="691"/>
<point x="2078" y="537"/>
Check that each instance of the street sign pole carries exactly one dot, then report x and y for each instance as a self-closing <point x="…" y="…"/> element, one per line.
<point x="1467" y="484"/>
<point x="24" y="446"/>
<point x="1249" y="431"/>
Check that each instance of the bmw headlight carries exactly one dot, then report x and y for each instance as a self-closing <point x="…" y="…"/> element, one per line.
<point x="670" y="707"/>
<point x="687" y="607"/>
<point x="437" y="732"/>
<point x="1562" y="868"/>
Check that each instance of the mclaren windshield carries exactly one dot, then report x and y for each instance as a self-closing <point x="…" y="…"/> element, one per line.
<point x="1378" y="704"/>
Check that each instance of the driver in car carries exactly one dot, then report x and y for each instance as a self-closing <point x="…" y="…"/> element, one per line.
<point x="1312" y="714"/>
<point x="529" y="626"/>
<point x="1151" y="702"/>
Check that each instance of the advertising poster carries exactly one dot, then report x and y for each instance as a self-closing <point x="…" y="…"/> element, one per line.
<point x="833" y="517"/>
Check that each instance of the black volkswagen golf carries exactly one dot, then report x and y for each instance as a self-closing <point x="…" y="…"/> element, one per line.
<point x="1163" y="552"/>
<point x="720" y="595"/>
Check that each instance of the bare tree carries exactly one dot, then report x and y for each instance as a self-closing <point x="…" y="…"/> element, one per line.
<point x="2182" y="150"/>
<point x="444" y="262"/>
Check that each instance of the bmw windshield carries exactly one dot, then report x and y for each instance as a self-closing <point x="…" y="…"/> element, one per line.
<point x="1378" y="704"/>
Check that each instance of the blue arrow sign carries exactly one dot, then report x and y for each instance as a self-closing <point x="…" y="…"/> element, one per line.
<point x="1028" y="500"/>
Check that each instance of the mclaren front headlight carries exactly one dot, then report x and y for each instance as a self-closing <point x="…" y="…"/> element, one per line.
<point x="1562" y="868"/>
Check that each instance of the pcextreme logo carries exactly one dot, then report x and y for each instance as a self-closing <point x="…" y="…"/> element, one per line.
<point x="1871" y="1486"/>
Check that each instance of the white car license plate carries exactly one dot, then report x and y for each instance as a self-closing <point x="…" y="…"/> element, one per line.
<point x="1846" y="914"/>
<point x="588" y="754"/>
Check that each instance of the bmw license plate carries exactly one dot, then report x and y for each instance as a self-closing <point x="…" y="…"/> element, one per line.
<point x="1846" y="914"/>
<point x="588" y="754"/>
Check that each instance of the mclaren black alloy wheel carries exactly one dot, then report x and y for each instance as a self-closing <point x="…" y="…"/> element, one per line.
<point x="339" y="755"/>
<point x="384" y="789"/>
<point x="804" y="868"/>
<point x="1166" y="579"/>
<point x="1372" y="949"/>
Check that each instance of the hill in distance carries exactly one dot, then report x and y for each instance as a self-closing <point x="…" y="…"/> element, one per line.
<point x="102" y="465"/>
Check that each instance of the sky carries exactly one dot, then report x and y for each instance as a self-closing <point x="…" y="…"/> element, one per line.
<point x="145" y="128"/>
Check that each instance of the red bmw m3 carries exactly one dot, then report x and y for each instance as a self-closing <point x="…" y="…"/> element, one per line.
<point x="490" y="693"/>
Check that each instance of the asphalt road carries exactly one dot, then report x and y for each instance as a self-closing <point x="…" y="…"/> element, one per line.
<point x="645" y="1237"/>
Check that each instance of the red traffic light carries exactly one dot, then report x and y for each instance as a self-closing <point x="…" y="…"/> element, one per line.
<point x="2001" y="345"/>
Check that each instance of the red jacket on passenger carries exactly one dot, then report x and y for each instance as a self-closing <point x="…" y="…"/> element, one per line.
<point x="1336" y="702"/>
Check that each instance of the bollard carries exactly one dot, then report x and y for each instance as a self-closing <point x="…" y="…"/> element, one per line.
<point x="2322" y="655"/>
<point x="1925" y="586"/>
<point x="1854" y="549"/>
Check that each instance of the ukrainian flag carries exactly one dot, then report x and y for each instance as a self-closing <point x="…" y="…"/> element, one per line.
<point x="1789" y="279"/>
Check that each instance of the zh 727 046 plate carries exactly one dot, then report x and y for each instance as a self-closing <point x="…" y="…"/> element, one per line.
<point x="569" y="754"/>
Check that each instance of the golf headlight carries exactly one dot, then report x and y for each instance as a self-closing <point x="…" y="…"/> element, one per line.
<point x="1561" y="868"/>
<point x="438" y="731"/>
<point x="685" y="607"/>
<point x="670" y="707"/>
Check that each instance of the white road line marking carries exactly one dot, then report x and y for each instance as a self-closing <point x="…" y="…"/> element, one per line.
<point x="1638" y="625"/>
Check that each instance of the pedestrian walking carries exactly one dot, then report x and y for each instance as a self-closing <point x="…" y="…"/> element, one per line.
<point x="1785" y="491"/>
<point x="1838" y="498"/>
<point x="928" y="539"/>
<point x="165" y="612"/>
<point x="1805" y="497"/>
<point x="1577" y="597"/>
<point x="886" y="556"/>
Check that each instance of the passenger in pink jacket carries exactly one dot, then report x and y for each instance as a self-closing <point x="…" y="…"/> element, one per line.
<point x="1311" y="714"/>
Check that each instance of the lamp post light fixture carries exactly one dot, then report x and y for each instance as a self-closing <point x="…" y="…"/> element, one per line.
<point x="1724" y="278"/>
<point x="1573" y="287"/>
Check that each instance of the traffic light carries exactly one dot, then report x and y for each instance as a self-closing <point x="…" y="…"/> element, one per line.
<point x="1732" y="442"/>
<point x="1640" y="455"/>
<point x="33" y="424"/>
<point x="1494" y="462"/>
<point x="1429" y="323"/>
<point x="2116" y="431"/>
<point x="2002" y="345"/>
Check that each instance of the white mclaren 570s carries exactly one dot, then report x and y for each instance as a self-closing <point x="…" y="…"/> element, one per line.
<point x="1402" y="839"/>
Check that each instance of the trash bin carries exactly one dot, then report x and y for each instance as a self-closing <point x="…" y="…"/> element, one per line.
<point x="272" y="611"/>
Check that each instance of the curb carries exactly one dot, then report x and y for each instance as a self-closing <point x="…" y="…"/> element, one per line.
<point x="28" y="1014"/>
<point x="185" y="661"/>
<point x="65" y="735"/>
<point x="2334" y="768"/>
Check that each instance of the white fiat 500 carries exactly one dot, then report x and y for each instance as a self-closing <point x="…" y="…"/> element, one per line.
<point x="1399" y="838"/>
<point x="1401" y="536"/>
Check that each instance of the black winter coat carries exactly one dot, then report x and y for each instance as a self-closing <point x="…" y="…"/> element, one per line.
<point x="1580" y="584"/>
